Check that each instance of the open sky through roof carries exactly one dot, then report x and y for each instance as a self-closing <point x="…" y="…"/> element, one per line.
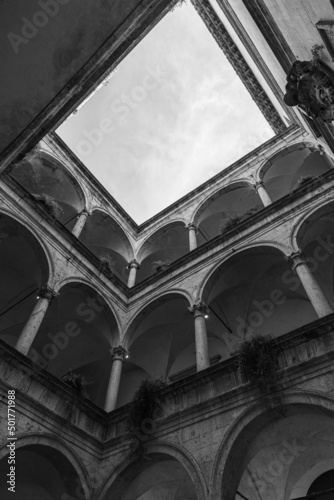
<point x="173" y="115"/>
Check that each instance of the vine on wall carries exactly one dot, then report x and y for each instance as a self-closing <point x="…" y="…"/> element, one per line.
<point x="258" y="365"/>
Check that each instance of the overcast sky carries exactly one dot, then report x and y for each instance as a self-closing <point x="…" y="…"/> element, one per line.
<point x="173" y="115"/>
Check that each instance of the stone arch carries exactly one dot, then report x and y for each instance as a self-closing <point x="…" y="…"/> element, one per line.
<point x="272" y="244"/>
<point x="43" y="174"/>
<point x="303" y="484"/>
<point x="199" y="209"/>
<point x="283" y="172"/>
<point x="161" y="342"/>
<point x="160" y="297"/>
<point x="154" y="451"/>
<point x="280" y="154"/>
<point x="236" y="200"/>
<point x="105" y="237"/>
<point x="76" y="334"/>
<point x="33" y="230"/>
<point x="314" y="236"/>
<point x="26" y="266"/>
<point x="251" y="291"/>
<point x="49" y="444"/>
<point x="83" y="281"/>
<point x="140" y="250"/>
<point x="318" y="207"/>
<point x="168" y="242"/>
<point x="229" y="461"/>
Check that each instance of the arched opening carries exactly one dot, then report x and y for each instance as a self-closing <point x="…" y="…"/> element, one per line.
<point x="286" y="173"/>
<point x="155" y="476"/>
<point x="316" y="240"/>
<point x="271" y="454"/>
<point x="166" y="245"/>
<point x="255" y="291"/>
<point x="108" y="241"/>
<point x="161" y="342"/>
<point x="41" y="473"/>
<point x="76" y="335"/>
<point x="225" y="209"/>
<point x="42" y="175"/>
<point x="323" y="483"/>
<point x="24" y="270"/>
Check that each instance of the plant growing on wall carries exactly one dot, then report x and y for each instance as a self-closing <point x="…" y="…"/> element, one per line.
<point x="258" y="362"/>
<point x="305" y="179"/>
<point x="160" y="265"/>
<point x="230" y="223"/>
<point x="146" y="401"/>
<point x="78" y="383"/>
<point x="107" y="263"/>
<point x="50" y="204"/>
<point x="178" y="3"/>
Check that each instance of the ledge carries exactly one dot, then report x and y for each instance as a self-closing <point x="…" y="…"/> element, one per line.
<point x="65" y="233"/>
<point x="254" y="219"/>
<point x="311" y="345"/>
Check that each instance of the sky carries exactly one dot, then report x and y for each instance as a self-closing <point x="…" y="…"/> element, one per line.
<point x="172" y="115"/>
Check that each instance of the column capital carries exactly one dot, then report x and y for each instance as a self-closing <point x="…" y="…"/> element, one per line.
<point x="258" y="184"/>
<point x="192" y="226"/>
<point x="133" y="264"/>
<point x="85" y="212"/>
<point x="119" y="352"/>
<point x="46" y="293"/>
<point x="198" y="309"/>
<point x="296" y="259"/>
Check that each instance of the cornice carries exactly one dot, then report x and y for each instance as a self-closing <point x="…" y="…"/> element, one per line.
<point x="236" y="59"/>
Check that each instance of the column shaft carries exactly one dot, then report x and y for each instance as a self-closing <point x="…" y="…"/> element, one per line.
<point x="313" y="290"/>
<point x="201" y="342"/>
<point x="192" y="238"/>
<point x="133" y="265"/>
<point x="263" y="194"/>
<point x="80" y="224"/>
<point x="30" y="329"/>
<point x="113" y="386"/>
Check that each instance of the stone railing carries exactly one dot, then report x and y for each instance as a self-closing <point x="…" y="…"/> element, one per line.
<point x="310" y="346"/>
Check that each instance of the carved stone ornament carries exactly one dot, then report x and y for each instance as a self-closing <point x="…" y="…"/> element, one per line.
<point x="198" y="309"/>
<point x="133" y="264"/>
<point x="47" y="293"/>
<point x="296" y="259"/>
<point x="310" y="86"/>
<point x="119" y="352"/>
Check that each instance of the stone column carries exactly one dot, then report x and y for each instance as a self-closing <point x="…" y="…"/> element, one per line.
<point x="192" y="229"/>
<point x="133" y="266"/>
<point x="263" y="194"/>
<point x="311" y="286"/>
<point x="201" y="339"/>
<point x="28" y="334"/>
<point x="118" y="354"/>
<point x="80" y="223"/>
